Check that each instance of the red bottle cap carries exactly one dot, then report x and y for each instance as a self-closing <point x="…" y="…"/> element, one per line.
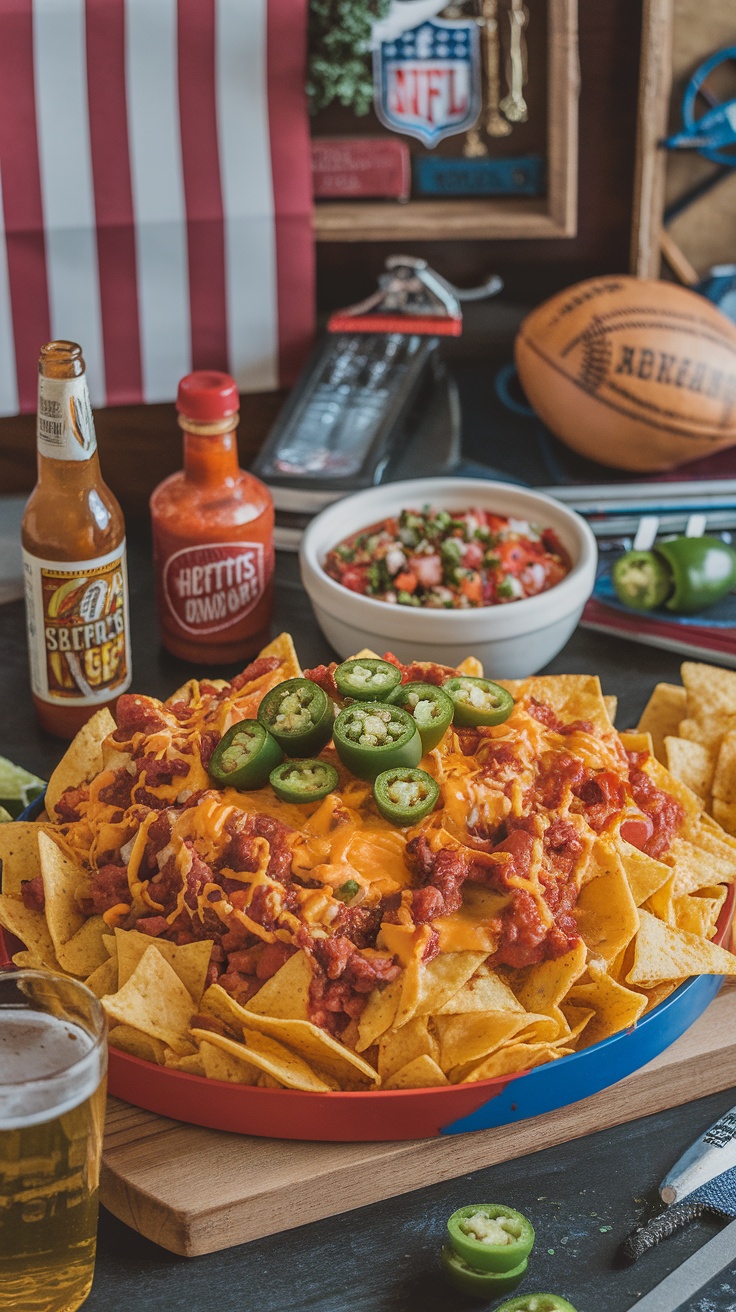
<point x="207" y="396"/>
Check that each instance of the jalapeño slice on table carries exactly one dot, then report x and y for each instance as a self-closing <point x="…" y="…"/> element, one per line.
<point x="431" y="708"/>
<point x="244" y="756"/>
<point x="367" y="679"/>
<point x="478" y="701"/>
<point x="299" y="715"/>
<point x="371" y="737"/>
<point x="303" y="781"/>
<point x="405" y="796"/>
<point x="479" y="1284"/>
<point x="536" y="1303"/>
<point x="491" y="1236"/>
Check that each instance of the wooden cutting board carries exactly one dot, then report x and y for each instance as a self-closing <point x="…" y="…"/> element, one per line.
<point x="196" y="1191"/>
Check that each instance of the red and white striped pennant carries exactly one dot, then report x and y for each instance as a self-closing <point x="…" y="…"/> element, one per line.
<point x="155" y="192"/>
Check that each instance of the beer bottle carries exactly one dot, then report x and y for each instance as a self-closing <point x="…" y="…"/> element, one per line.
<point x="212" y="534"/>
<point x="73" y="538"/>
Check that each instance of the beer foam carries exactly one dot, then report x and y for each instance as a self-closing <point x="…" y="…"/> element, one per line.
<point x="47" y="1066"/>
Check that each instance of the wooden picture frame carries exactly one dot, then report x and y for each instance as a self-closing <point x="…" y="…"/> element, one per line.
<point x="553" y="215"/>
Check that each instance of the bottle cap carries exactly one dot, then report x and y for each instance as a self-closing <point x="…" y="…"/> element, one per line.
<point x="206" y="396"/>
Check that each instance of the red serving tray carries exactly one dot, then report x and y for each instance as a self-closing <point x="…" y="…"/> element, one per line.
<point x="409" y="1113"/>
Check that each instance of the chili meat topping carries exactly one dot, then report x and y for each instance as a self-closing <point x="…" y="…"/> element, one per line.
<point x="449" y="560"/>
<point x="496" y="863"/>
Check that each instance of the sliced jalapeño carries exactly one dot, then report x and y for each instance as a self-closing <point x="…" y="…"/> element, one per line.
<point x="478" y="701"/>
<point x="244" y="756"/>
<point x="432" y="709"/>
<point x="299" y="715"/>
<point x="371" y="737"/>
<point x="479" y="1284"/>
<point x="367" y="679"/>
<point x="491" y="1236"/>
<point x="405" y="796"/>
<point x="303" y="780"/>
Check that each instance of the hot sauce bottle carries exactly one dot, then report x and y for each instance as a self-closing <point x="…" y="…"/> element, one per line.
<point x="212" y="534"/>
<point x="73" y="538"/>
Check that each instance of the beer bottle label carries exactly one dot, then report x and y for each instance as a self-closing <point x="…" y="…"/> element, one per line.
<point x="213" y="586"/>
<point x="77" y="618"/>
<point x="65" y="428"/>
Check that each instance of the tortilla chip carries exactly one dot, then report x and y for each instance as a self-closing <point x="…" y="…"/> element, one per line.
<point x="421" y="1073"/>
<point x="104" y="979"/>
<point x="19" y="855"/>
<point x="611" y="705"/>
<point x="541" y="988"/>
<point x="662" y="714"/>
<point x="645" y="875"/>
<point x="427" y="986"/>
<point x="399" y="1047"/>
<point x="31" y="928"/>
<point x="464" y="1040"/>
<point x="190" y="1065"/>
<point x="221" y="1064"/>
<point x="77" y="940"/>
<point x="711" y="690"/>
<point x="137" y="1044"/>
<point x="665" y="953"/>
<point x="283" y="647"/>
<point x="700" y="865"/>
<point x="471" y="667"/>
<point x="484" y="991"/>
<point x="661" y="903"/>
<point x="572" y="696"/>
<point x="190" y="961"/>
<point x="658" y="994"/>
<point x="313" y="1044"/>
<point x="512" y="1059"/>
<point x="82" y="759"/>
<point x="259" y="1053"/>
<point x="698" y="913"/>
<point x="378" y="1014"/>
<point x="286" y="994"/>
<point x="691" y="763"/>
<point x="614" y="1006"/>
<point x="606" y="914"/>
<point x="155" y="1001"/>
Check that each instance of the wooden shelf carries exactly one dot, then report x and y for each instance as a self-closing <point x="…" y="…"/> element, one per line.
<point x="508" y="218"/>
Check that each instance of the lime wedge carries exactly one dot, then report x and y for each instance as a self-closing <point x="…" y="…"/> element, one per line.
<point x="4" y="815"/>
<point x="18" y="788"/>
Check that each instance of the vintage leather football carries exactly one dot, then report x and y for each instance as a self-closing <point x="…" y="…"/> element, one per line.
<point x="633" y="373"/>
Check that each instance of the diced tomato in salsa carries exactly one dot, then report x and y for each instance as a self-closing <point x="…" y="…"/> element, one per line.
<point x="449" y="560"/>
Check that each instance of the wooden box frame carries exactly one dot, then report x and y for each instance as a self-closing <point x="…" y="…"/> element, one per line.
<point x="553" y="215"/>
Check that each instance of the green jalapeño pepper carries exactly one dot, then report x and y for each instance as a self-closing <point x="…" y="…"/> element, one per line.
<point x="490" y="1236"/>
<point x="685" y="574"/>
<point x="367" y="679"/>
<point x="478" y="701"/>
<point x="479" y="1284"/>
<point x="431" y="707"/>
<point x="244" y="756"/>
<point x="405" y="796"/>
<point x="536" y="1303"/>
<point x="303" y="781"/>
<point x="371" y="738"/>
<point x="299" y="715"/>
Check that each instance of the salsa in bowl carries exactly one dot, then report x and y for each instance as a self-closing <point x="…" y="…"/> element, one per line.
<point x="512" y="640"/>
<point x="449" y="559"/>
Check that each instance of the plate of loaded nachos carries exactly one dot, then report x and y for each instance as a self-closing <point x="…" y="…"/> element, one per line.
<point x="372" y="900"/>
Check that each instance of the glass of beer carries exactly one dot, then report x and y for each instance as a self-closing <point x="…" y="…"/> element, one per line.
<point x="53" y="1068"/>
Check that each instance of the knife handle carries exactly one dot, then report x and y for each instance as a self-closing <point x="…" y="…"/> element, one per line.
<point x="660" y="1227"/>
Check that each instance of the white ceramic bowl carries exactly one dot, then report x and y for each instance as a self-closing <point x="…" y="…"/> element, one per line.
<point x="512" y="640"/>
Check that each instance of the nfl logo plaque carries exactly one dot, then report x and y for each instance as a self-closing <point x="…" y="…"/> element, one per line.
<point x="428" y="80"/>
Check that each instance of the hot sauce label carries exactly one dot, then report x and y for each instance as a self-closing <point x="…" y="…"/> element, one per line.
<point x="212" y="587"/>
<point x="64" y="426"/>
<point x="78" y="639"/>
